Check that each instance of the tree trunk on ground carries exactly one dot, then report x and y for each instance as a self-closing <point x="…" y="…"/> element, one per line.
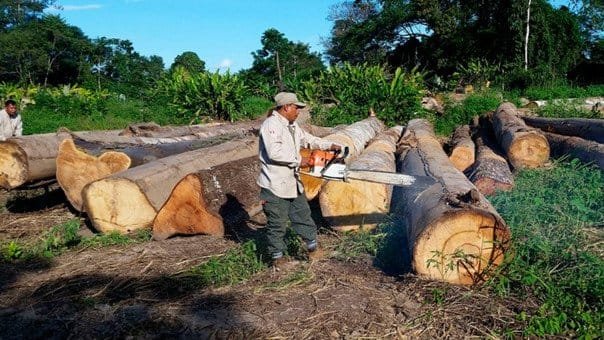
<point x="130" y="199"/>
<point x="32" y="158"/>
<point x="525" y="147"/>
<point x="206" y="201"/>
<point x="355" y="137"/>
<point x="462" y="148"/>
<point x="490" y="171"/>
<point x="350" y="205"/>
<point x="454" y="233"/>
<point x="590" y="129"/>
<point x="157" y="131"/>
<point x="585" y="150"/>
<point x="79" y="166"/>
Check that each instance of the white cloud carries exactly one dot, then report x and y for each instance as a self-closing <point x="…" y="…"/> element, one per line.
<point x="225" y="64"/>
<point x="81" y="7"/>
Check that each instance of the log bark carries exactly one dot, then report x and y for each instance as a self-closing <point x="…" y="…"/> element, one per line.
<point x="157" y="131"/>
<point x="525" y="147"/>
<point x="490" y="172"/>
<point x="454" y="233"/>
<point x="359" y="204"/>
<point x="585" y="150"/>
<point x="206" y="201"/>
<point x="590" y="129"/>
<point x="355" y="137"/>
<point x="462" y="148"/>
<point x="130" y="199"/>
<point x="81" y="162"/>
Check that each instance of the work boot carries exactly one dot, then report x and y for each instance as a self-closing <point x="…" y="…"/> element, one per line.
<point x="284" y="263"/>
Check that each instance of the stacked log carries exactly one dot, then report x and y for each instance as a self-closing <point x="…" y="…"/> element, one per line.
<point x="207" y="201"/>
<point x="77" y="166"/>
<point x="590" y="129"/>
<point x="525" y="147"/>
<point x="130" y="199"/>
<point x="586" y="151"/>
<point x="454" y="233"/>
<point x="490" y="172"/>
<point x="354" y="204"/>
<point x="355" y="137"/>
<point x="462" y="148"/>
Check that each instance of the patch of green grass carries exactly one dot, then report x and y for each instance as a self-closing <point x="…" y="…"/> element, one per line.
<point x="567" y="110"/>
<point x="65" y="236"/>
<point x="235" y="266"/>
<point x="461" y="113"/>
<point x="355" y="243"/>
<point x="546" y="213"/>
<point x="563" y="91"/>
<point x="254" y="107"/>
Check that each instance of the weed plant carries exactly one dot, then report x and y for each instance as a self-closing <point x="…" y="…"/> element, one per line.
<point x="547" y="213"/>
<point x="235" y="266"/>
<point x="462" y="113"/>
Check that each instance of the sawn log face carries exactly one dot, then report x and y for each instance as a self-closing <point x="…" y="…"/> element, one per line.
<point x="207" y="201"/>
<point x="454" y="233"/>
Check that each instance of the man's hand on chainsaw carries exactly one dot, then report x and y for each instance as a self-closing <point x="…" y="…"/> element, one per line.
<point x="335" y="147"/>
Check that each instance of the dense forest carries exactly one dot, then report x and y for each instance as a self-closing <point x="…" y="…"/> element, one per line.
<point x="408" y="47"/>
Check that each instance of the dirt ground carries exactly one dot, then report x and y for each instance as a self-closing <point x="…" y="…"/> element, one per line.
<point x="133" y="291"/>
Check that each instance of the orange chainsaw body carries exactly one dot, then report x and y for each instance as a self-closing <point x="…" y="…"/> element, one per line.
<point x="317" y="160"/>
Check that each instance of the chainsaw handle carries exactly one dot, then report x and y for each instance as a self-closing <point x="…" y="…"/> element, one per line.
<point x="342" y="153"/>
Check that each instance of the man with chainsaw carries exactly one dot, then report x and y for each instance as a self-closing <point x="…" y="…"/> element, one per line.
<point x="282" y="193"/>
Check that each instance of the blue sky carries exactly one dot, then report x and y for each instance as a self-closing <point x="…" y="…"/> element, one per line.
<point x="223" y="33"/>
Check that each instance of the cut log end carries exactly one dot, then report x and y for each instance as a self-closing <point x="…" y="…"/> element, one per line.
<point x="186" y="213"/>
<point x="76" y="169"/>
<point x="312" y="186"/>
<point x="461" y="247"/>
<point x="354" y="205"/>
<point x="117" y="205"/>
<point x="462" y="158"/>
<point x="13" y="166"/>
<point x="489" y="186"/>
<point x="531" y="150"/>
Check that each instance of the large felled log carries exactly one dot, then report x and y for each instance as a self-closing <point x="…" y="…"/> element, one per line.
<point x="490" y="172"/>
<point x="206" y="201"/>
<point x="355" y="137"/>
<point x="585" y="150"/>
<point x="454" y="233"/>
<point x="590" y="129"/>
<point x="462" y="148"/>
<point x="130" y="199"/>
<point x="90" y="161"/>
<point x="32" y="158"/>
<point x="525" y="147"/>
<point x="350" y="205"/>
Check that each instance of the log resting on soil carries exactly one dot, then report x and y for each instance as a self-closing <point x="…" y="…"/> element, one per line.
<point x="462" y="148"/>
<point x="129" y="200"/>
<point x="525" y="147"/>
<point x="590" y="129"/>
<point x="448" y="222"/>
<point x="206" y="201"/>
<point x="355" y="137"/>
<point x="81" y="162"/>
<point x="585" y="150"/>
<point x="490" y="172"/>
<point x="353" y="204"/>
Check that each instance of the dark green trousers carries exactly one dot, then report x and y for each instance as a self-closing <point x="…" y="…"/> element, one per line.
<point x="278" y="211"/>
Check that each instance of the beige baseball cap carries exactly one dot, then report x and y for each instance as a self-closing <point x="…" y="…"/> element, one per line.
<point x="285" y="98"/>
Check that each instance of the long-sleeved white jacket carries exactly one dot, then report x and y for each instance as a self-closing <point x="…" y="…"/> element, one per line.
<point x="10" y="126"/>
<point x="280" y="155"/>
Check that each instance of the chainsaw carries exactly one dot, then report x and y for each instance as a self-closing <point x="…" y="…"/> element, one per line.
<point x="330" y="165"/>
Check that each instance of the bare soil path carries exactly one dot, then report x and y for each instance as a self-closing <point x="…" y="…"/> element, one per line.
<point x="135" y="290"/>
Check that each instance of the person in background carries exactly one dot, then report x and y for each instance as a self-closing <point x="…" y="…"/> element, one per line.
<point x="10" y="121"/>
<point x="282" y="193"/>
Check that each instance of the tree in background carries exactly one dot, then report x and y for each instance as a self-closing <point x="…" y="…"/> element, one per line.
<point x="16" y="12"/>
<point x="439" y="35"/>
<point x="280" y="62"/>
<point x="190" y="62"/>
